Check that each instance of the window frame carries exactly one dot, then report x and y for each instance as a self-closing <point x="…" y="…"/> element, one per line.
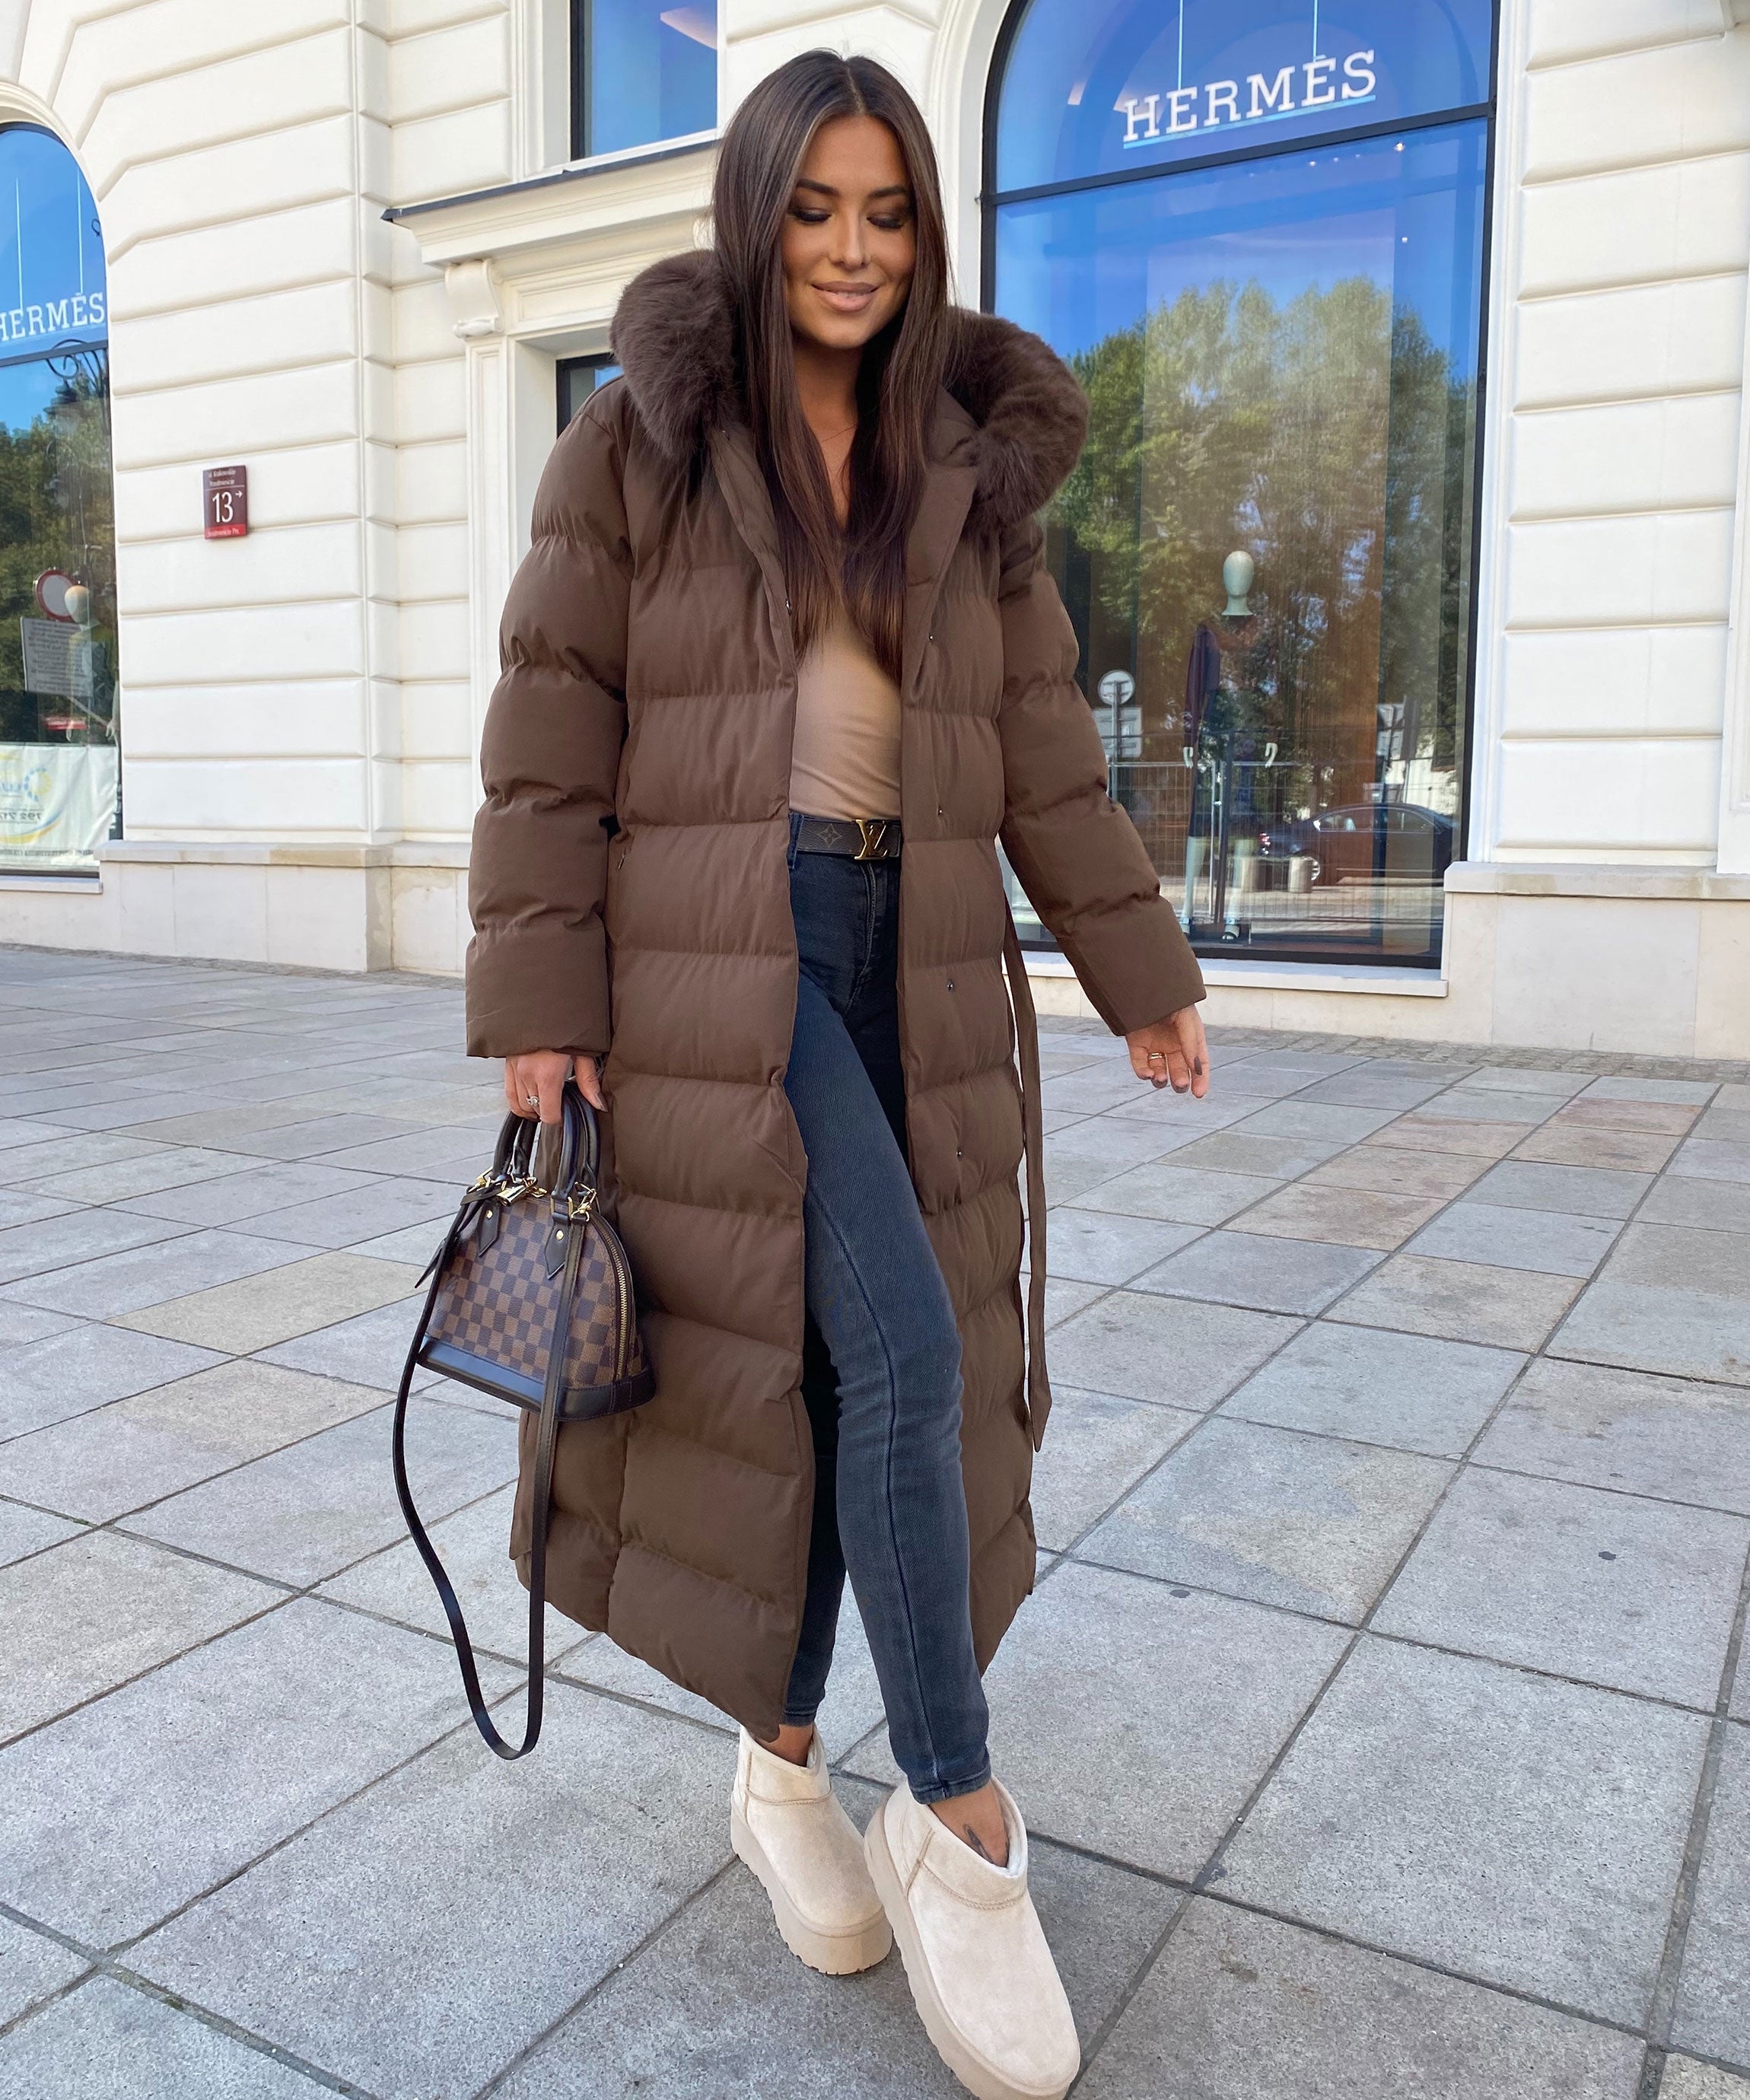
<point x="578" y="62"/>
<point x="991" y="201"/>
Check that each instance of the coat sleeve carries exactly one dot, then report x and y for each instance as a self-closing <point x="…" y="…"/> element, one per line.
<point x="550" y="755"/>
<point x="1075" y="852"/>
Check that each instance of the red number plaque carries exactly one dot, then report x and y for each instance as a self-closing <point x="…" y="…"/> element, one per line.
<point x="226" y="491"/>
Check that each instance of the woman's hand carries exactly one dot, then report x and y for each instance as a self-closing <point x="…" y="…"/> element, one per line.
<point x="534" y="1082"/>
<point x="1173" y="1053"/>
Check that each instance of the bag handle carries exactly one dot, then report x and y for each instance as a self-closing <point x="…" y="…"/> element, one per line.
<point x="546" y="1439"/>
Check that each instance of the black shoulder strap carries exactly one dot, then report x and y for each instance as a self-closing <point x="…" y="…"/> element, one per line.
<point x="546" y="1437"/>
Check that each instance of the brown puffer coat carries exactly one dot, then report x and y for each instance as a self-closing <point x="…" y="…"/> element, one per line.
<point x="630" y="896"/>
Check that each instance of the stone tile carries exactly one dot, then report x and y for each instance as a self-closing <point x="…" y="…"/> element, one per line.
<point x="249" y="1193"/>
<point x="1304" y="1522"/>
<point x="84" y="1616"/>
<point x="1593" y="1110"/>
<point x="385" y="1207"/>
<point x="1180" y="1114"/>
<point x="1374" y="1387"/>
<point x="104" y="2038"/>
<point x="1104" y="1246"/>
<point x="70" y="1152"/>
<point x="1610" y="1588"/>
<point x="1142" y="1347"/>
<point x="31" y="1968"/>
<point x="1728" y="1121"/>
<point x="1674" y="1437"/>
<point x="1345" y="1217"/>
<point x="1669" y="1300"/>
<point x="324" y="1946"/>
<point x="124" y="1284"/>
<point x="1391" y="1172"/>
<point x="1708" y="1159"/>
<point x="1693" y="1093"/>
<point x="1065" y="1298"/>
<point x="1323" y="1122"/>
<point x="1561" y="1145"/>
<point x="1685" y="2079"/>
<point x="1398" y="1088"/>
<point x="314" y="1508"/>
<point x="1272" y="1275"/>
<point x="136" y="1451"/>
<point x="1718" y="1206"/>
<point x="1587" y="1192"/>
<point x="127" y="1810"/>
<point x="32" y="1250"/>
<point x="1713" y="1992"/>
<point x="1097" y="1446"/>
<point x="1525" y="1079"/>
<point x="1241" y="1152"/>
<point x="82" y="1367"/>
<point x="1182" y="1195"/>
<point x="175" y="1168"/>
<point x="1449" y="1133"/>
<point x="1462" y="1301"/>
<point x="1179" y="1745"/>
<point x="1303" y="1066"/>
<point x="18" y="1207"/>
<point x="1257" y="1081"/>
<point x="1545" y="1242"/>
<point x="474" y="1546"/>
<point x="1246" y="2008"/>
<point x="1522" y="1831"/>
<point x="1081" y="1158"/>
<point x="16" y="1131"/>
<point x="1091" y="1087"/>
<point x="370" y="1349"/>
<point x="23" y="1531"/>
<point x="413" y="1243"/>
<point x="718" y="2007"/>
<point x="295" y="1297"/>
<point x="320" y="1134"/>
<point x="31" y="1323"/>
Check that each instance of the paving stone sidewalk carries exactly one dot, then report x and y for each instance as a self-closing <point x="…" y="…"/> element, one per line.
<point x="1376" y="1709"/>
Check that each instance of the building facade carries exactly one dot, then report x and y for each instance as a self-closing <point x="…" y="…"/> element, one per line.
<point x="1409" y="555"/>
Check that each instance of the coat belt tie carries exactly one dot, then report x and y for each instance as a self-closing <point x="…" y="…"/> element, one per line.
<point x="1033" y="1136"/>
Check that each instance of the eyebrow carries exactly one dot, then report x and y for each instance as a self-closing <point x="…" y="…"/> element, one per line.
<point x="826" y="189"/>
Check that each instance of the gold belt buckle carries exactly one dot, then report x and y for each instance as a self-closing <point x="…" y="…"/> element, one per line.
<point x="874" y="830"/>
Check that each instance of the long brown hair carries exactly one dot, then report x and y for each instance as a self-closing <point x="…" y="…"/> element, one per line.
<point x="768" y="139"/>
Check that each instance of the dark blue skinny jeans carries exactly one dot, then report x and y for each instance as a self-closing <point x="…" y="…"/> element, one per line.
<point x="881" y="1363"/>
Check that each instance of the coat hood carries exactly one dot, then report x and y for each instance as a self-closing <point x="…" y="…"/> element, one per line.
<point x="674" y="336"/>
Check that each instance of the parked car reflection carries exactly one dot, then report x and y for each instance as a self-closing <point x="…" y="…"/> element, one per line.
<point x="1363" y="840"/>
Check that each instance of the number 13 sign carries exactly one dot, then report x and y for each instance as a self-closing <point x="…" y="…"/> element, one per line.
<point x="227" y="490"/>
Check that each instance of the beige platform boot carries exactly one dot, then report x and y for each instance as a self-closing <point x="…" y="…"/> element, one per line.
<point x="786" y="1824"/>
<point x="981" y="1975"/>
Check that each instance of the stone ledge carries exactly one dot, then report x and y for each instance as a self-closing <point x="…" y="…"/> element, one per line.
<point x="1637" y="884"/>
<point x="449" y="855"/>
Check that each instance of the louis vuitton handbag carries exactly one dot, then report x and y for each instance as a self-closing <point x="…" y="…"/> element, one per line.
<point x="532" y="1300"/>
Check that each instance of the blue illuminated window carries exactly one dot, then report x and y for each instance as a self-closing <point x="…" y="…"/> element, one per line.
<point x="640" y="72"/>
<point x="1277" y="312"/>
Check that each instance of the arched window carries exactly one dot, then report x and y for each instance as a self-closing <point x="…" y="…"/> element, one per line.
<point x="59" y="774"/>
<point x="1256" y="228"/>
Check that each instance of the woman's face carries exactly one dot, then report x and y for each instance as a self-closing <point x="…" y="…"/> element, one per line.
<point x="850" y="240"/>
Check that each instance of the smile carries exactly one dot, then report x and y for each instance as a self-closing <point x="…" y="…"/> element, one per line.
<point x="848" y="298"/>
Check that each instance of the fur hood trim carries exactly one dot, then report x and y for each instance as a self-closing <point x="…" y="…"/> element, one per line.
<point x="674" y="338"/>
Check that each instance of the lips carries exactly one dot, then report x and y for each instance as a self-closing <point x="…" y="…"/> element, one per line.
<point x="847" y="299"/>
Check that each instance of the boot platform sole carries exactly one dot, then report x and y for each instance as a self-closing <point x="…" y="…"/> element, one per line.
<point x="832" y="1953"/>
<point x="975" y="2072"/>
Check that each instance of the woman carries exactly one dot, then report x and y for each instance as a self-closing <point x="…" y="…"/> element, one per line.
<point x="781" y="665"/>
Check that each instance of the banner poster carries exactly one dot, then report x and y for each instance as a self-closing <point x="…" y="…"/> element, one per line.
<point x="57" y="804"/>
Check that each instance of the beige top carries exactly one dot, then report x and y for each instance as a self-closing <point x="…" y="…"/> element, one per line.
<point x="844" y="760"/>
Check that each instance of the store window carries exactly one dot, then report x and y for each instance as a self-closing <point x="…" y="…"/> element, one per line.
<point x="579" y="378"/>
<point x="1256" y="229"/>
<point x="60" y="771"/>
<point x="640" y="72"/>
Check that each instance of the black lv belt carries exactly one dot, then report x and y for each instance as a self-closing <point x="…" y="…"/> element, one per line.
<point x="860" y="838"/>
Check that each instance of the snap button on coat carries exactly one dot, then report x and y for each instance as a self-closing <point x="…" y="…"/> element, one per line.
<point x="648" y="685"/>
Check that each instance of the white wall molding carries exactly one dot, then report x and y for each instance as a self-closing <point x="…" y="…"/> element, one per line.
<point x="1496" y="435"/>
<point x="1735" y="12"/>
<point x="540" y="74"/>
<point x="959" y="75"/>
<point x="1735" y="738"/>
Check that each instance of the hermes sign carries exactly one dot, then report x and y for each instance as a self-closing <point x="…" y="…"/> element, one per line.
<point x="1292" y="90"/>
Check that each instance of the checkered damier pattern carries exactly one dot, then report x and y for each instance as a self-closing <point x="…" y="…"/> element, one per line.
<point x="499" y="1305"/>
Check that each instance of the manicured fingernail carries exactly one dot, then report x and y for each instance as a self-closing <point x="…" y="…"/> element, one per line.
<point x="1197" y="1067"/>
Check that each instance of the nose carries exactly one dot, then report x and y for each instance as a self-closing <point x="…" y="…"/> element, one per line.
<point x="849" y="247"/>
